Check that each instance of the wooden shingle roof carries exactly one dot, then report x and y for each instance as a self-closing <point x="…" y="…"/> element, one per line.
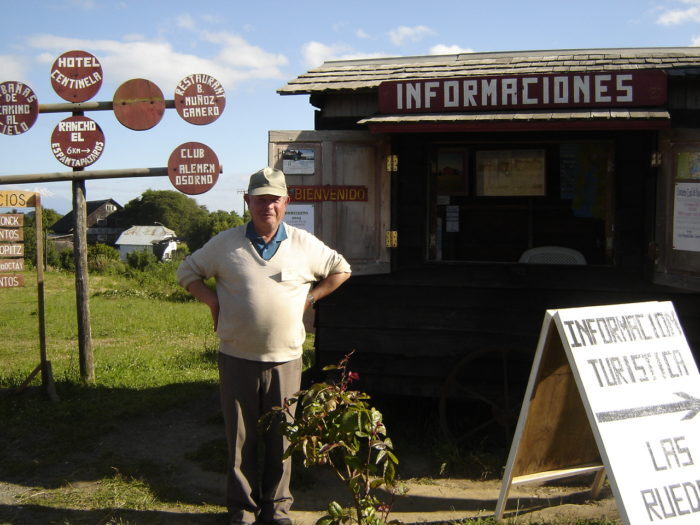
<point x="366" y="75"/>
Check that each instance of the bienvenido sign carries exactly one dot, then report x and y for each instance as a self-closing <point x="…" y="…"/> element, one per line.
<point x="327" y="193"/>
<point x="561" y="90"/>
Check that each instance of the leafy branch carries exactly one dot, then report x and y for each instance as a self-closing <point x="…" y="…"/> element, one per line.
<point x="336" y="427"/>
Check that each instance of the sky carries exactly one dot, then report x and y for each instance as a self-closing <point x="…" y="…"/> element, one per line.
<point x="253" y="48"/>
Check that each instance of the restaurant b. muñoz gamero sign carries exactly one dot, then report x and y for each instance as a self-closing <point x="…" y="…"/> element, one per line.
<point x="327" y="193"/>
<point x="557" y="90"/>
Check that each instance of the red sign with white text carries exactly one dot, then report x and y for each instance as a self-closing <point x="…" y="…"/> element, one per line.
<point x="558" y="90"/>
<point x="77" y="141"/>
<point x="193" y="168"/>
<point x="327" y="193"/>
<point x="76" y="76"/>
<point x="199" y="99"/>
<point x="19" y="108"/>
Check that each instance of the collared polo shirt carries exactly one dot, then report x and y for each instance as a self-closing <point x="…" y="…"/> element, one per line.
<point x="266" y="251"/>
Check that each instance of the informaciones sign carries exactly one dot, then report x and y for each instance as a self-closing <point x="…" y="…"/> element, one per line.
<point x="199" y="99"/>
<point x="19" y="108"/>
<point x="77" y="141"/>
<point x="525" y="91"/>
<point x="193" y="168"/>
<point x="641" y="390"/>
<point x="76" y="76"/>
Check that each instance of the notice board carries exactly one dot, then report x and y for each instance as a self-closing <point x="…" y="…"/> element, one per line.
<point x="614" y="387"/>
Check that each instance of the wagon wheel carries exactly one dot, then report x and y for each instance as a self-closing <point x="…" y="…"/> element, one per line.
<point x="482" y="395"/>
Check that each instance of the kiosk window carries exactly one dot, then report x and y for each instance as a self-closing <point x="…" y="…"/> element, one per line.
<point x="555" y="194"/>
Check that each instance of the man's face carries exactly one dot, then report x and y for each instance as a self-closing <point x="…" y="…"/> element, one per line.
<point x="266" y="211"/>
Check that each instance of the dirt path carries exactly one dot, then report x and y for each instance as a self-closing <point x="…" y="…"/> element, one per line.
<point x="168" y="441"/>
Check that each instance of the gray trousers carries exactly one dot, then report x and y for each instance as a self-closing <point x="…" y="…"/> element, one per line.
<point x="250" y="389"/>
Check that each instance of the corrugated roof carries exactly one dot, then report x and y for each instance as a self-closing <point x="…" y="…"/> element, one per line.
<point x="363" y="75"/>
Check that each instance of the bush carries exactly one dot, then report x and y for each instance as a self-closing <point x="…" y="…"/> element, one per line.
<point x="66" y="260"/>
<point x="104" y="259"/>
<point x="336" y="427"/>
<point x="141" y="260"/>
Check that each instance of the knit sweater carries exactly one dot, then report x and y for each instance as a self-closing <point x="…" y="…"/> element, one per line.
<point x="261" y="303"/>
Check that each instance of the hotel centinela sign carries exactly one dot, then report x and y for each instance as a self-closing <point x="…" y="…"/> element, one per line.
<point x="573" y="90"/>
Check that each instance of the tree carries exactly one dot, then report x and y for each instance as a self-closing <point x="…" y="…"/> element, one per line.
<point x="48" y="218"/>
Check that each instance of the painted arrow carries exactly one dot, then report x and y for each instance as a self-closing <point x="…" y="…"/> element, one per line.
<point x="690" y="403"/>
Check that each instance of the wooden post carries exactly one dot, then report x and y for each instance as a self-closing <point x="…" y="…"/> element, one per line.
<point x="82" y="293"/>
<point x="46" y="374"/>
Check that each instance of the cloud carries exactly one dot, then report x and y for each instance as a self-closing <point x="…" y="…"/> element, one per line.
<point x="12" y="68"/>
<point x="184" y="21"/>
<point x="696" y="41"/>
<point x="232" y="61"/>
<point x="679" y="16"/>
<point x="361" y="33"/>
<point x="402" y="34"/>
<point x="316" y="53"/>
<point x="442" y="49"/>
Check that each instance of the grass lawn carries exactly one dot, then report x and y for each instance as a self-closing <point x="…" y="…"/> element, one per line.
<point x="152" y="355"/>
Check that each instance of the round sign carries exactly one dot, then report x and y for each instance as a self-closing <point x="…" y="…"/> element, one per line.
<point x="77" y="141"/>
<point x="199" y="99"/>
<point x="193" y="168"/>
<point x="19" y="108"/>
<point x="76" y="76"/>
<point x="138" y="104"/>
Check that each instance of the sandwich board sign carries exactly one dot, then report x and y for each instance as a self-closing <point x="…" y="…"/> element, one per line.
<point x="614" y="389"/>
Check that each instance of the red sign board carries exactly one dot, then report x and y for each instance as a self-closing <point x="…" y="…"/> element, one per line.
<point x="77" y="141"/>
<point x="327" y="193"/>
<point x="199" y="99"/>
<point x="138" y="104"/>
<point x="193" y="168"/>
<point x="76" y="76"/>
<point x="19" y="108"/>
<point x="557" y="90"/>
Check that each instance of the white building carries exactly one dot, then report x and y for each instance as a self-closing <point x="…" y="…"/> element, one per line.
<point x="156" y="239"/>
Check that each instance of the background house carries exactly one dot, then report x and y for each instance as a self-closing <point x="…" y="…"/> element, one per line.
<point x="98" y="229"/>
<point x="157" y="239"/>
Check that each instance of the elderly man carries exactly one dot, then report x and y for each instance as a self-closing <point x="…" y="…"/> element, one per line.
<point x="264" y="272"/>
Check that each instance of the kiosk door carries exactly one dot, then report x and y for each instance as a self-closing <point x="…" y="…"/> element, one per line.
<point x="339" y="178"/>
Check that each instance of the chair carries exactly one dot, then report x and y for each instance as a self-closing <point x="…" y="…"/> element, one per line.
<point x="552" y="255"/>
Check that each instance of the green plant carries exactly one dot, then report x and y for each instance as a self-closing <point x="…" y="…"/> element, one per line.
<point x="337" y="427"/>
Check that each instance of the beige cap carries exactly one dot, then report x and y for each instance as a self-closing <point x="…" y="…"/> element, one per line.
<point x="267" y="181"/>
